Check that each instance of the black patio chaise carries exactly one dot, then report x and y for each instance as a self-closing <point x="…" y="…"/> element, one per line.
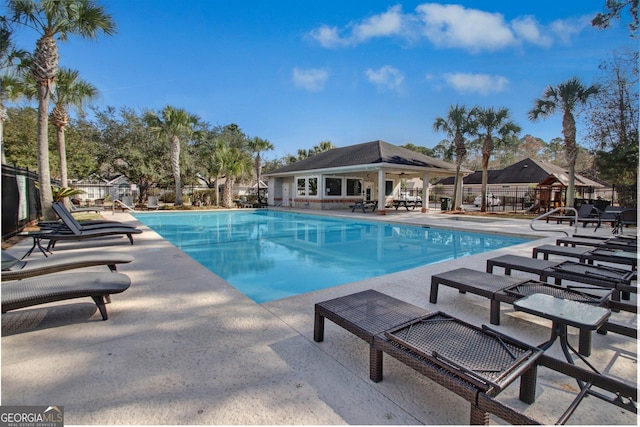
<point x="473" y="362"/>
<point x="15" y="269"/>
<point x="596" y="275"/>
<point x="67" y="218"/>
<point x="589" y="255"/>
<point x="587" y="214"/>
<point x="58" y="287"/>
<point x="498" y="289"/>
<point x="617" y="242"/>
<point x="371" y="315"/>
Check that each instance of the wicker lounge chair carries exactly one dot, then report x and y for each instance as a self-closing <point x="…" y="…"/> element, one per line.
<point x="589" y="255"/>
<point x="15" y="269"/>
<point x="508" y="289"/>
<point x="59" y="287"/>
<point x="95" y="209"/>
<point x="370" y="315"/>
<point x="618" y="242"/>
<point x="610" y="214"/>
<point x="453" y="354"/>
<point x="587" y="214"/>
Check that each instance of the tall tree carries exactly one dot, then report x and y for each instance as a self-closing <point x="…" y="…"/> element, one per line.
<point x="70" y="91"/>
<point x="614" y="9"/>
<point x="232" y="164"/>
<point x="13" y="63"/>
<point x="173" y="124"/>
<point x="51" y="19"/>
<point x="257" y="146"/>
<point x="458" y="123"/>
<point x="613" y="123"/>
<point x="490" y="121"/>
<point x="567" y="97"/>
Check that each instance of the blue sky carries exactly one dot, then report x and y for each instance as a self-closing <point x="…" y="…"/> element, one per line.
<point x="301" y="72"/>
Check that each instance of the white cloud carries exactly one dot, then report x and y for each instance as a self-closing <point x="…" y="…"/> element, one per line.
<point x="528" y="29"/>
<point x="312" y="79"/>
<point x="564" y="29"/>
<point x="384" y="24"/>
<point x="483" y="84"/>
<point x="328" y="36"/>
<point x="456" y="26"/>
<point x="450" y="26"/>
<point x="386" y="77"/>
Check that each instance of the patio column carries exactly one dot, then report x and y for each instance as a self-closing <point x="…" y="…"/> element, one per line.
<point x="381" y="195"/>
<point x="425" y="193"/>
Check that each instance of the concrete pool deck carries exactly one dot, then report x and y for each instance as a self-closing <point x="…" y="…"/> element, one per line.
<point x="183" y="347"/>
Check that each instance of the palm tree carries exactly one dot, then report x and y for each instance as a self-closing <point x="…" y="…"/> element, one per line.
<point x="173" y="124"/>
<point x="567" y="97"/>
<point x="458" y="123"/>
<point x="232" y="164"/>
<point x="498" y="121"/>
<point x="13" y="64"/>
<point x="51" y="19"/>
<point x="70" y="90"/>
<point x="257" y="145"/>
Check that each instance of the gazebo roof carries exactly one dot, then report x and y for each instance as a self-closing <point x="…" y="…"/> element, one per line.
<point x="369" y="156"/>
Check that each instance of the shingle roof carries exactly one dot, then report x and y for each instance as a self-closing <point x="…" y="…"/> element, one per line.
<point x="366" y="154"/>
<point x="524" y="172"/>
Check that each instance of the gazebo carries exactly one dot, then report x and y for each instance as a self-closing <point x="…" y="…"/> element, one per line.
<point x="371" y="171"/>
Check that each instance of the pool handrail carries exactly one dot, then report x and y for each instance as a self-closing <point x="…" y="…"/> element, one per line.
<point x="564" y="208"/>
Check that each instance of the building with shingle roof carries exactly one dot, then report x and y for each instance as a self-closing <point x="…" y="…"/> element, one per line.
<point x="339" y="177"/>
<point x="545" y="182"/>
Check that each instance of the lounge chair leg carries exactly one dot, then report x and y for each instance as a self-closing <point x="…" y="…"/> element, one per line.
<point x="130" y="236"/>
<point x="528" y="382"/>
<point x="478" y="417"/>
<point x="103" y="309"/>
<point x="433" y="297"/>
<point x="494" y="315"/>
<point x="318" y="328"/>
<point x="584" y="342"/>
<point x="375" y="365"/>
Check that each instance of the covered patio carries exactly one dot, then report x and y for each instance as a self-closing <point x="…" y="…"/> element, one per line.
<point x="372" y="171"/>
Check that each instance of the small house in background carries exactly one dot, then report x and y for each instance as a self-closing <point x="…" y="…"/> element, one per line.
<point x="540" y="185"/>
<point x="97" y="188"/>
<point x="376" y="172"/>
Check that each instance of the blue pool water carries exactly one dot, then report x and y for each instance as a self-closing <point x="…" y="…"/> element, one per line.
<point x="269" y="255"/>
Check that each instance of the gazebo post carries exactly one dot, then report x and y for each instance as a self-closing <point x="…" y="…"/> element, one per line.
<point x="381" y="195"/>
<point x="425" y="193"/>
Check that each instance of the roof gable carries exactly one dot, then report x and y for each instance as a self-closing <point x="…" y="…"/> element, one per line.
<point x="367" y="153"/>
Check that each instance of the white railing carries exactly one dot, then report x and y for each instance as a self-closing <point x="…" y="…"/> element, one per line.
<point x="122" y="204"/>
<point x="546" y="214"/>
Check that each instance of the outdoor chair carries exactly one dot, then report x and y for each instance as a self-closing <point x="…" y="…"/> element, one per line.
<point x="58" y="287"/>
<point x="67" y="218"/>
<point x="15" y="269"/>
<point x="626" y="218"/>
<point x="152" y="203"/>
<point x="589" y="255"/>
<point x="610" y="215"/>
<point x="587" y="214"/>
<point x="72" y="232"/>
<point x="476" y="363"/>
<point x="618" y="242"/>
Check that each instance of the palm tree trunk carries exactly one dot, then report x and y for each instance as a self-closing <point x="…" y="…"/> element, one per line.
<point x="62" y="148"/>
<point x="571" y="152"/>
<point x="175" y="168"/>
<point x="44" y="174"/>
<point x="3" y="117"/>
<point x="487" y="148"/>
<point x="227" y="196"/>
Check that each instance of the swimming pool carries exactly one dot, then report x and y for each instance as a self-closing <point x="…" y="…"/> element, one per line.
<point x="269" y="255"/>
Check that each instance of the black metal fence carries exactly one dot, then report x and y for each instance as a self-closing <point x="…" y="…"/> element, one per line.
<point x="20" y="199"/>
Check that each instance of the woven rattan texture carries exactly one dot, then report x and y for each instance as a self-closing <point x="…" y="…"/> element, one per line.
<point x="486" y="355"/>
